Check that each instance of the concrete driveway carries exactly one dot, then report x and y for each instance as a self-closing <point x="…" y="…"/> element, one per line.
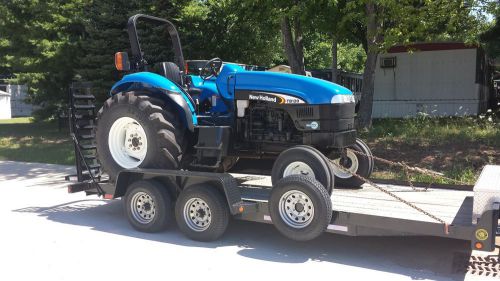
<point x="48" y="234"/>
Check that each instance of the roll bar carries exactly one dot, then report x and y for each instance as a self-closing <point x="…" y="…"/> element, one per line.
<point x="137" y="56"/>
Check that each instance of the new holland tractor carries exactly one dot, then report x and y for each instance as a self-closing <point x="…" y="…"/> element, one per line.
<point x="159" y="116"/>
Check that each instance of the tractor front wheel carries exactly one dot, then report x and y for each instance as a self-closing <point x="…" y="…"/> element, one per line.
<point x="357" y="159"/>
<point x="135" y="131"/>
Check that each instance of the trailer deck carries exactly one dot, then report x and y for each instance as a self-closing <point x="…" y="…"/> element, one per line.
<point x="451" y="205"/>
<point x="367" y="211"/>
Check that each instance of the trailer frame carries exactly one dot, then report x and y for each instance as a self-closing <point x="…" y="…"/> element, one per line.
<point x="247" y="201"/>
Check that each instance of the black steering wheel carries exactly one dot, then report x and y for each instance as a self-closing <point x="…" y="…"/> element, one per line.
<point x="211" y="68"/>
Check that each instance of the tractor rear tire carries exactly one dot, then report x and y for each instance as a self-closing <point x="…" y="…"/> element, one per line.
<point x="137" y="131"/>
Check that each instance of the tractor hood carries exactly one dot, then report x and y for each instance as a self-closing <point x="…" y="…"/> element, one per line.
<point x="306" y="89"/>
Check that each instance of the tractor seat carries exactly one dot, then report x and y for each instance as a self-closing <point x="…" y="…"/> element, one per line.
<point x="171" y="71"/>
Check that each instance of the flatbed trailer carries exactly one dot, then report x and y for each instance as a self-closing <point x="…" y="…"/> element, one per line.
<point x="468" y="214"/>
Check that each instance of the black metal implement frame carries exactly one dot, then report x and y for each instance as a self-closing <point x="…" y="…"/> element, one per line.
<point x="82" y="119"/>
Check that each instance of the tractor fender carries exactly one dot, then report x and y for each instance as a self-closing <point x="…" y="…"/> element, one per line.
<point x="156" y="84"/>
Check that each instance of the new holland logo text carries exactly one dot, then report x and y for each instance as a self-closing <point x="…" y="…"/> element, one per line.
<point x="264" y="98"/>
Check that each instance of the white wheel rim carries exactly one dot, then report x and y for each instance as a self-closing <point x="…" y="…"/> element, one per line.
<point x="197" y="214"/>
<point x="143" y="207"/>
<point x="296" y="209"/>
<point x="127" y="142"/>
<point x="352" y="167"/>
<point x="298" y="168"/>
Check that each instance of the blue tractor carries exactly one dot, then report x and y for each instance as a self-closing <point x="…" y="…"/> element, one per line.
<point x="159" y="116"/>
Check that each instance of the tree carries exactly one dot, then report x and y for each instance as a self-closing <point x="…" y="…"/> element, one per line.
<point x="232" y="30"/>
<point x="39" y="45"/>
<point x="491" y="37"/>
<point x="373" y="39"/>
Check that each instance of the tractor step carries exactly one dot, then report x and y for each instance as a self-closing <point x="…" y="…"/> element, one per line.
<point x="217" y="148"/>
<point x="205" y="166"/>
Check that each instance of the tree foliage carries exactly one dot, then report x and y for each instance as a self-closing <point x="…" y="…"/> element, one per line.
<point x="48" y="44"/>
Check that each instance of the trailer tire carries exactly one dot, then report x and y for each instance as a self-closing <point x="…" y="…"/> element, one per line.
<point x="300" y="207"/>
<point x="358" y="164"/>
<point x="157" y="131"/>
<point x="303" y="160"/>
<point x="148" y="206"/>
<point x="202" y="213"/>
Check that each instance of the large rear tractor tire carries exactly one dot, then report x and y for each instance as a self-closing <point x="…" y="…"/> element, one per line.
<point x="360" y="164"/>
<point x="137" y="131"/>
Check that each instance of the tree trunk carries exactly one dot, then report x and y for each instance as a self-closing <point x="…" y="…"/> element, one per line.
<point x="334" y="59"/>
<point x="299" y="47"/>
<point x="373" y="37"/>
<point x="293" y="47"/>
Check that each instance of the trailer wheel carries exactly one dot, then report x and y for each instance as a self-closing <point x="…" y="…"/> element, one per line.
<point x="202" y="213"/>
<point x="135" y="130"/>
<point x="300" y="207"/>
<point x="355" y="163"/>
<point x="303" y="160"/>
<point x="148" y="206"/>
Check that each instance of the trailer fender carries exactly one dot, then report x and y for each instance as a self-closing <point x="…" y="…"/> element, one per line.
<point x="157" y="84"/>
<point x="225" y="183"/>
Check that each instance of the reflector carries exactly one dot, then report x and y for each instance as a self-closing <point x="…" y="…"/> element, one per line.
<point x="121" y="61"/>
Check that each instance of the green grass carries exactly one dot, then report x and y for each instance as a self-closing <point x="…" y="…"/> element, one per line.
<point x="23" y="140"/>
<point x="433" y="131"/>
<point x="465" y="175"/>
<point x="19" y="120"/>
<point x="458" y="147"/>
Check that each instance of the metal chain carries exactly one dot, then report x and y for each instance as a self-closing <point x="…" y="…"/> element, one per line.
<point x="407" y="176"/>
<point x="403" y="165"/>
<point x="393" y="195"/>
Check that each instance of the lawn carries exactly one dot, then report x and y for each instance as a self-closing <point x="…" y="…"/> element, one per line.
<point x="457" y="147"/>
<point x="23" y="140"/>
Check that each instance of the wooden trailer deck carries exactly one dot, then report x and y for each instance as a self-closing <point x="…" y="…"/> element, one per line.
<point x="452" y="206"/>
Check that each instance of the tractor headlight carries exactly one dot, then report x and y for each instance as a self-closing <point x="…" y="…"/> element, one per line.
<point x="343" y="99"/>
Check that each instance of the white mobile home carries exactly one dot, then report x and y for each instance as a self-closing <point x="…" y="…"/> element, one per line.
<point x="5" y="112"/>
<point x="440" y="79"/>
<point x="17" y="95"/>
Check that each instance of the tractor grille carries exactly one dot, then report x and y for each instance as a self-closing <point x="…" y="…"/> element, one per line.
<point x="305" y="112"/>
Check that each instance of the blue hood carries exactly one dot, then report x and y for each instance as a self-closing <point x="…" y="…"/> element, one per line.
<point x="312" y="90"/>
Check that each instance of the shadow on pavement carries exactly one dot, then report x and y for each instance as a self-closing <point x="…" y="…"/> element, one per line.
<point x="11" y="170"/>
<point x="416" y="257"/>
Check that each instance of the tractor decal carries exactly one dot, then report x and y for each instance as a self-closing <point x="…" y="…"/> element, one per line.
<point x="268" y="97"/>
